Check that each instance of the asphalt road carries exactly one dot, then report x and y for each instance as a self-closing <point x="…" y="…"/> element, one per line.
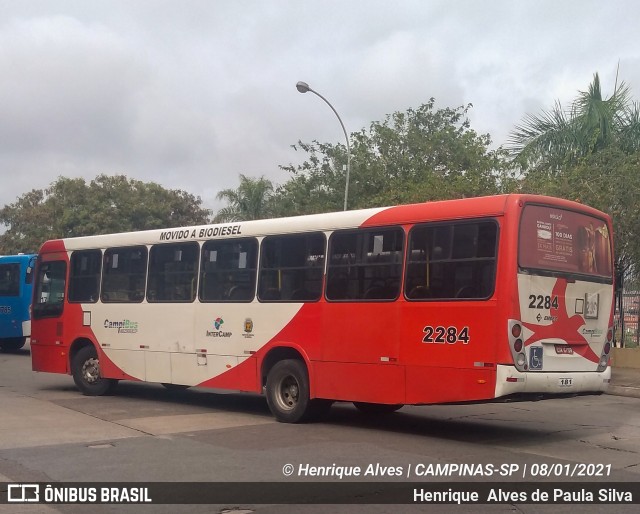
<point x="49" y="432"/>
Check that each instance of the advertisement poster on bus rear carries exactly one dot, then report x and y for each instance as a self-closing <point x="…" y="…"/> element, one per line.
<point x="562" y="240"/>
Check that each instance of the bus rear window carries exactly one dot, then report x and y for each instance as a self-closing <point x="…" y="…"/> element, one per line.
<point x="559" y="240"/>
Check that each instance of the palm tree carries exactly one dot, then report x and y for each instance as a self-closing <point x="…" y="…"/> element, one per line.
<point x="560" y="137"/>
<point x="588" y="153"/>
<point x="251" y="201"/>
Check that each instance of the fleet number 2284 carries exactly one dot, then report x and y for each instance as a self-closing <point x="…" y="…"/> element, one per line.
<point x="442" y="335"/>
<point x="543" y="302"/>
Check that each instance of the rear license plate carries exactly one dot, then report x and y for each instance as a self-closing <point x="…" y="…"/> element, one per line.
<point x="562" y="349"/>
<point x="565" y="382"/>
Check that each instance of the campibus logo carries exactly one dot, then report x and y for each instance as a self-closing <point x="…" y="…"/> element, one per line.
<point x="124" y="326"/>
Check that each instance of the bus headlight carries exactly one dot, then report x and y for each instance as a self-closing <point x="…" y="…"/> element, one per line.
<point x="521" y="359"/>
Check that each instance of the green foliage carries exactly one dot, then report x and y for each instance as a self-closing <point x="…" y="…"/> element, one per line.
<point x="590" y="154"/>
<point x="559" y="138"/>
<point x="418" y="155"/>
<point x="71" y="207"/>
<point x="608" y="180"/>
<point x="251" y="201"/>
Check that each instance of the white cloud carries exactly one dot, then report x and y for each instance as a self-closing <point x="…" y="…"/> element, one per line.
<point x="190" y="94"/>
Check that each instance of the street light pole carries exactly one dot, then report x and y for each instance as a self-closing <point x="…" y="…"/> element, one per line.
<point x="303" y="87"/>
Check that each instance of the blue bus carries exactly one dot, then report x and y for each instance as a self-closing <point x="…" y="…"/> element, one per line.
<point x="16" y="277"/>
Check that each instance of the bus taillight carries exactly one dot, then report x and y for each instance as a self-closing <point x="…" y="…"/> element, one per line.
<point x="606" y="349"/>
<point x="516" y="345"/>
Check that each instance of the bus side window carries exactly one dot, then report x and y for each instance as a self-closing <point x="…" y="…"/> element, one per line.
<point x="172" y="272"/>
<point x="124" y="274"/>
<point x="228" y="270"/>
<point x="10" y="279"/>
<point x="84" y="276"/>
<point x="291" y="268"/>
<point x="450" y="261"/>
<point x="365" y="264"/>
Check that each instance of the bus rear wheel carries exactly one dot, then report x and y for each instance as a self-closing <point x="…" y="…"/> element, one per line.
<point x="377" y="408"/>
<point x="287" y="393"/>
<point x="12" y="344"/>
<point x="85" y="368"/>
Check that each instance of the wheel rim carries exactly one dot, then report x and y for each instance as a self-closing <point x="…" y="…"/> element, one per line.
<point x="91" y="370"/>
<point x="287" y="393"/>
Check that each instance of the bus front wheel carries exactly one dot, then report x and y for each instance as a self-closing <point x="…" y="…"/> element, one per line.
<point x="85" y="368"/>
<point x="287" y="393"/>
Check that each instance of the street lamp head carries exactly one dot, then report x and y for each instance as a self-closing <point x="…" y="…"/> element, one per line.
<point x="302" y="87"/>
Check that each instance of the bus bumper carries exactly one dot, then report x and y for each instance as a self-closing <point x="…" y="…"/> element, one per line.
<point x="26" y="328"/>
<point x="510" y="381"/>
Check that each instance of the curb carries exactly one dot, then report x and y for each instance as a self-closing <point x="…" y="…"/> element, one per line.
<point x="615" y="390"/>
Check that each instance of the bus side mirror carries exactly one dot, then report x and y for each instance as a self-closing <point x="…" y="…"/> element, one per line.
<point x="29" y="277"/>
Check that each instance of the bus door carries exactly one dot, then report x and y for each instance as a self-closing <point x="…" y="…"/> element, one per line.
<point x="47" y="337"/>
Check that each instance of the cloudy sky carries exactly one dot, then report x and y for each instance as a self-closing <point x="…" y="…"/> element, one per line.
<point x="191" y="93"/>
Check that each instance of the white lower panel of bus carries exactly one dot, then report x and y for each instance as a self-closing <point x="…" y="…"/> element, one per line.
<point x="177" y="368"/>
<point x="511" y="381"/>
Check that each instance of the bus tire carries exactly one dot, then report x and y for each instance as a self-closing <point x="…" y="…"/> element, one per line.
<point x="85" y="368"/>
<point x="287" y="392"/>
<point x="377" y="408"/>
<point x="12" y="344"/>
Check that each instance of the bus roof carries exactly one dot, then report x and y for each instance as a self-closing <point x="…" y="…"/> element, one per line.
<point x="403" y="214"/>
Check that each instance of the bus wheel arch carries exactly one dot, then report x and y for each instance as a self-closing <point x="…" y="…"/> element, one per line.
<point x="12" y="344"/>
<point x="285" y="379"/>
<point x="85" y="369"/>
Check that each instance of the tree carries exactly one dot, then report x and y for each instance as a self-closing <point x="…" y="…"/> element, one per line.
<point x="71" y="208"/>
<point x="252" y="200"/>
<point x="591" y="154"/>
<point x="559" y="137"/>
<point x="413" y="156"/>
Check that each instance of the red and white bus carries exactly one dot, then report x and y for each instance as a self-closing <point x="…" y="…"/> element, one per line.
<point x="481" y="299"/>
